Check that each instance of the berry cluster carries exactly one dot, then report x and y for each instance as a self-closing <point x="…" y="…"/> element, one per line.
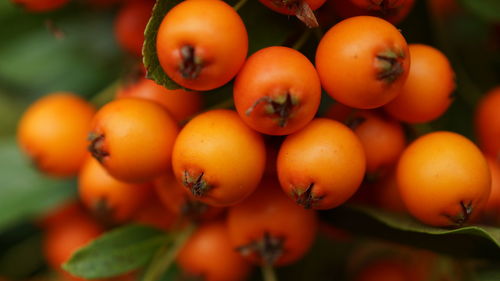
<point x="254" y="177"/>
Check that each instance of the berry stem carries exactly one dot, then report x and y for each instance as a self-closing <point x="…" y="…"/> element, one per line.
<point x="302" y="40"/>
<point x="268" y="273"/>
<point x="240" y="4"/>
<point x="166" y="255"/>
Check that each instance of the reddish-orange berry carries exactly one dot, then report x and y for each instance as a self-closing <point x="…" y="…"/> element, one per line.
<point x="346" y="9"/>
<point x="180" y="103"/>
<point x="383" y="138"/>
<point x="363" y="62"/>
<point x="52" y="132"/>
<point x="62" y="240"/>
<point x="322" y="165"/>
<point x="277" y="92"/>
<point x="199" y="50"/>
<point x="109" y="199"/>
<point x="218" y="158"/>
<point x="180" y="201"/>
<point x="487" y="123"/>
<point x="41" y="5"/>
<point x="208" y="255"/>
<point x="154" y="214"/>
<point x="130" y="23"/>
<point x="133" y="139"/>
<point x="443" y="179"/>
<point x="268" y="228"/>
<point x="426" y="94"/>
<point x="303" y="9"/>
<point x="378" y="4"/>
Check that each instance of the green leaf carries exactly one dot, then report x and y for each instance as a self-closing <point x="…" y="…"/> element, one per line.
<point x="486" y="9"/>
<point x="24" y="192"/>
<point x="469" y="241"/>
<point x="116" y="252"/>
<point x="265" y="28"/>
<point x="150" y="57"/>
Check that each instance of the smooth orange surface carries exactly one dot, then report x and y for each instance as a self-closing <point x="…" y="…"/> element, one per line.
<point x="491" y="211"/>
<point x="346" y="61"/>
<point x="52" y="131"/>
<point x="208" y="254"/>
<point x="216" y="32"/>
<point x="487" y="123"/>
<point x="120" y="200"/>
<point x="231" y="155"/>
<point x="382" y="137"/>
<point x="180" y="103"/>
<point x="41" y="5"/>
<point x="383" y="140"/>
<point x="274" y="72"/>
<point x="326" y="154"/>
<point x="426" y="94"/>
<point x="283" y="9"/>
<point x="269" y="210"/>
<point x="130" y="23"/>
<point x="138" y="135"/>
<point x="440" y="171"/>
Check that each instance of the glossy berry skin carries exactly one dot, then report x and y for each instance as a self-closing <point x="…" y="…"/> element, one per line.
<point x="199" y="50"/>
<point x="41" y="5"/>
<point x="363" y="62"/>
<point x="52" y="133"/>
<point x="487" y="123"/>
<point x="444" y="179"/>
<point x="277" y="92"/>
<point x="322" y="165"/>
<point x="269" y="218"/>
<point x="180" y="103"/>
<point x="427" y="92"/>
<point x="110" y="200"/>
<point x="130" y="23"/>
<point x="133" y="139"/>
<point x="218" y="158"/>
<point x="208" y="254"/>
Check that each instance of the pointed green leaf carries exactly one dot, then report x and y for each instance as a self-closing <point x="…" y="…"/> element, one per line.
<point x="116" y="252"/>
<point x="468" y="241"/>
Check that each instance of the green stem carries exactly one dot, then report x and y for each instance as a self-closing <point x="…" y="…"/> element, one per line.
<point x="268" y="272"/>
<point x="240" y="4"/>
<point x="167" y="254"/>
<point x="302" y="39"/>
<point x="107" y="94"/>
